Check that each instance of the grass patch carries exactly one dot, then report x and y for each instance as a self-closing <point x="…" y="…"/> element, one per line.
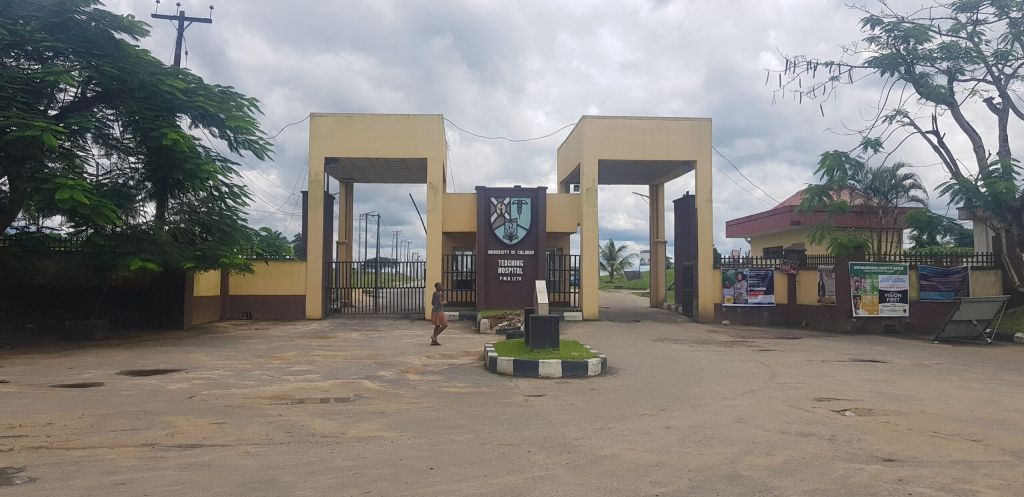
<point x="1012" y="322"/>
<point x="570" y="350"/>
<point x="641" y="284"/>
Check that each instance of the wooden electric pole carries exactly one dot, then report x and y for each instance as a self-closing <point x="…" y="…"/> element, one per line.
<point x="182" y="19"/>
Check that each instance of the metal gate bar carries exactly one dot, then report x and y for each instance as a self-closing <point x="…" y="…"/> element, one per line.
<point x="369" y="288"/>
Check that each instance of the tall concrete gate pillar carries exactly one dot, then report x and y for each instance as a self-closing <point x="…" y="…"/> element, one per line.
<point x="658" y="243"/>
<point x="589" y="242"/>
<point x="705" y="312"/>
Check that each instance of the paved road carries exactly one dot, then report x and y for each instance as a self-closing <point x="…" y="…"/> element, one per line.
<point x="365" y="407"/>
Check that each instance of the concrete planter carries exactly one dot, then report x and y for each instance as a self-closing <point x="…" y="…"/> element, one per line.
<point x="544" y="368"/>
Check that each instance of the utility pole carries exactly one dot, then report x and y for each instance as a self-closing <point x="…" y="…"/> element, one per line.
<point x="376" y="271"/>
<point x="394" y="244"/>
<point x="182" y="19"/>
<point x="359" y="233"/>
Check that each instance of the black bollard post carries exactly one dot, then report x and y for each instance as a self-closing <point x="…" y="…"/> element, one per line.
<point x="527" y="312"/>
<point x="544" y="332"/>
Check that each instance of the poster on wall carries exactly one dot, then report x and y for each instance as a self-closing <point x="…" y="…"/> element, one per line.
<point x="944" y="283"/>
<point x="827" y="285"/>
<point x="880" y="289"/>
<point x="748" y="287"/>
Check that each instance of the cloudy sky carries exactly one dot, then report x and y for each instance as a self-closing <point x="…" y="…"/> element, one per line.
<point x="526" y="68"/>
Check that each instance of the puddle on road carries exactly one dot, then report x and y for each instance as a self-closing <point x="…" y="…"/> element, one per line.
<point x="784" y="337"/>
<point x="84" y="384"/>
<point x="534" y="395"/>
<point x="831" y="399"/>
<point x="147" y="372"/>
<point x="854" y="411"/>
<point x="870" y="361"/>
<point x="319" y="400"/>
<point x="11" y="476"/>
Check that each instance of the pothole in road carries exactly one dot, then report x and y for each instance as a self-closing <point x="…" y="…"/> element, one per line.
<point x="11" y="476"/>
<point x="84" y="384"/>
<point x="320" y="400"/>
<point x="784" y="337"/>
<point x="854" y="411"/>
<point x="767" y="350"/>
<point x="831" y="399"/>
<point x="147" y="372"/>
<point x="870" y="361"/>
<point x="534" y="395"/>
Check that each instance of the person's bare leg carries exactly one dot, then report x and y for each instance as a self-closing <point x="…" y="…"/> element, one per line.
<point x="433" y="338"/>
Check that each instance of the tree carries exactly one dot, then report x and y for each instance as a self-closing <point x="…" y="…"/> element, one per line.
<point x="937" y="64"/>
<point x="614" y="259"/>
<point x="97" y="135"/>
<point x="928" y="229"/>
<point x="879" y="194"/>
<point x="271" y="244"/>
<point x="384" y="263"/>
<point x="299" y="246"/>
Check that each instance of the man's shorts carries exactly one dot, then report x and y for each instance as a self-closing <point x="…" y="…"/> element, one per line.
<point x="439" y="319"/>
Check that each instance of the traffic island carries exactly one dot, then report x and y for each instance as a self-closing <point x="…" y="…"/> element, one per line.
<point x="571" y="360"/>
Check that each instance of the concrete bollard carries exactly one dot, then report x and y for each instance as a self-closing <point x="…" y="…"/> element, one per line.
<point x="485" y="327"/>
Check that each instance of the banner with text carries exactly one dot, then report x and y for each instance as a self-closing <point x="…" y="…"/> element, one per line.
<point x="748" y="287"/>
<point x="880" y="289"/>
<point x="827" y="285"/>
<point x="943" y="283"/>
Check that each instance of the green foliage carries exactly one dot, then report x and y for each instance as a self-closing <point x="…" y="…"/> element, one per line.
<point x="716" y="256"/>
<point x="299" y="246"/>
<point x="568" y="350"/>
<point x="614" y="260"/>
<point x="848" y="184"/>
<point x="382" y="262"/>
<point x="270" y="244"/>
<point x="940" y="250"/>
<point x="928" y="229"/>
<point x="96" y="134"/>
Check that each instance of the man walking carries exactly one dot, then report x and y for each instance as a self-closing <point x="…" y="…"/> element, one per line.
<point x="437" y="316"/>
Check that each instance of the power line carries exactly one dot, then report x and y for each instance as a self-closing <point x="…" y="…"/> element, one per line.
<point x="513" y="140"/>
<point x="287" y="200"/>
<point x="744" y="175"/>
<point x="286" y="126"/>
<point x="730" y="178"/>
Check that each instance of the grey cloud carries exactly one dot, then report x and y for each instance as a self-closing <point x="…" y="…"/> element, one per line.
<point x="523" y="69"/>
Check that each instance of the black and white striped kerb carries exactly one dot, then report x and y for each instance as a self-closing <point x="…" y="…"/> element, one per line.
<point x="544" y="368"/>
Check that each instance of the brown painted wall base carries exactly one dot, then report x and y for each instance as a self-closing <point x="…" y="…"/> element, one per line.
<point x="926" y="318"/>
<point x="266" y="307"/>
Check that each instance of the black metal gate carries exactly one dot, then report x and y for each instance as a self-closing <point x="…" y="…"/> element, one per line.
<point x="367" y="288"/>
<point x="684" y="288"/>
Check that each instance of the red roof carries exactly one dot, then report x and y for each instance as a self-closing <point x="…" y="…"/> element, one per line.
<point x="784" y="216"/>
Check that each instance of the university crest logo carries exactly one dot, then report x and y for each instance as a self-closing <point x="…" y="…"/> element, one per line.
<point x="510" y="218"/>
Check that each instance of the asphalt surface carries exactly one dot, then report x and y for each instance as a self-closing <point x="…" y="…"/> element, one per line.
<point x="366" y="407"/>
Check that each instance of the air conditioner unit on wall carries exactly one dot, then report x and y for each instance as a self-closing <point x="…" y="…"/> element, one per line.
<point x="574" y="188"/>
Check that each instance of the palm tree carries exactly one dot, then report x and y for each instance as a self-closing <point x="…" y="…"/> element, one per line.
<point x="614" y="259"/>
<point x="848" y="183"/>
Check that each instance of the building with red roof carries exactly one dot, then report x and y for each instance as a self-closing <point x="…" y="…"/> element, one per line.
<point x="784" y="225"/>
